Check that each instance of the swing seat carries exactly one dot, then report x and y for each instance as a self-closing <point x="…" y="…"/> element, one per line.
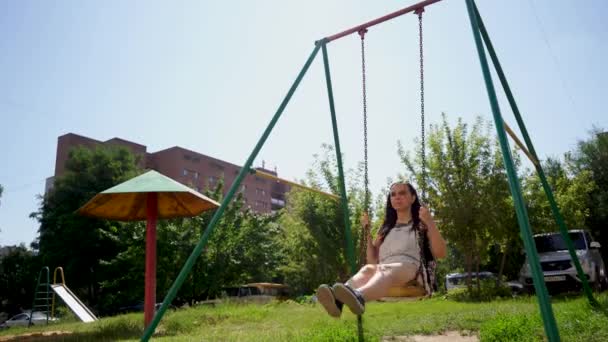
<point x="410" y="291"/>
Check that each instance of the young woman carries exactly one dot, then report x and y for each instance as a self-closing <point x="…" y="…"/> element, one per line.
<point x="394" y="258"/>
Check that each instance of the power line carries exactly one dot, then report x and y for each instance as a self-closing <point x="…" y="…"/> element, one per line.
<point x="553" y="55"/>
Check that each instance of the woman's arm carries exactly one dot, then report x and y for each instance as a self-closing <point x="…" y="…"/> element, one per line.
<point x="438" y="245"/>
<point x="372" y="249"/>
<point x="372" y="252"/>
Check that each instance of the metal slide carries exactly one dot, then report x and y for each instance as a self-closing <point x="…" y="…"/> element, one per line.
<point x="79" y="309"/>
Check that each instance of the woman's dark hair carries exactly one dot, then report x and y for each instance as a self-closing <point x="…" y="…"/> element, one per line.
<point x="390" y="216"/>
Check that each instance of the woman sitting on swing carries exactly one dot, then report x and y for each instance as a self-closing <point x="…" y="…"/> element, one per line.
<point x="395" y="258"/>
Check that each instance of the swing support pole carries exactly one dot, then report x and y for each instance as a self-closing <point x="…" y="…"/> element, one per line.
<point x="531" y="152"/>
<point x="520" y="208"/>
<point x="350" y="254"/>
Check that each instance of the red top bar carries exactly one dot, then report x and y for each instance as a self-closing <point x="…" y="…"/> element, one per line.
<point x="382" y="19"/>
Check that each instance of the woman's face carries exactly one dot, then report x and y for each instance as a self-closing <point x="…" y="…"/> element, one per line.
<point x="401" y="198"/>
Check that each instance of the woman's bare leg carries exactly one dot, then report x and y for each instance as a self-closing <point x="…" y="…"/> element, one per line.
<point x="362" y="277"/>
<point x="385" y="276"/>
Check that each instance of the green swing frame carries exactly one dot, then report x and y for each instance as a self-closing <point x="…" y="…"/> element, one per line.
<point x="480" y="36"/>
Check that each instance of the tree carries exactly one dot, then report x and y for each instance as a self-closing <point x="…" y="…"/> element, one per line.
<point x="77" y="243"/>
<point x="570" y="191"/>
<point x="466" y="188"/>
<point x="18" y="271"/>
<point x="591" y="156"/>
<point x="242" y="249"/>
<point x="313" y="238"/>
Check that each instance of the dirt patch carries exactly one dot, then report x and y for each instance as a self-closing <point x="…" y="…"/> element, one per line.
<point x="448" y="336"/>
<point x="38" y="336"/>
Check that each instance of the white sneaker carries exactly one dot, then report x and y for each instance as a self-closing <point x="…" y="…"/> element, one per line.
<point x="352" y="299"/>
<point x="325" y="296"/>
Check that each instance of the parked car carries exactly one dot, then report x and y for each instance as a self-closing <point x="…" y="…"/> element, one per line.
<point x="139" y="307"/>
<point x="23" y="319"/>
<point x="557" y="265"/>
<point x="257" y="292"/>
<point x="459" y="280"/>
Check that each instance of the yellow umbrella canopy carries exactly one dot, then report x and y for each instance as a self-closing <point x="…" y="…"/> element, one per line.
<point x="127" y="201"/>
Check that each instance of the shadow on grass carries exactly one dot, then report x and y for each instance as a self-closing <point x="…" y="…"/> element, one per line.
<point x="116" y="331"/>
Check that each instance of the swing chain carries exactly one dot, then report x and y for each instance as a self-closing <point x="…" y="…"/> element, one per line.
<point x="362" y="33"/>
<point x="364" y="239"/>
<point x="422" y="126"/>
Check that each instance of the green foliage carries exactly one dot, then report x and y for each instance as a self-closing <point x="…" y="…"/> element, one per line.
<point x="591" y="155"/>
<point x="18" y="273"/>
<point x="487" y="291"/>
<point x="313" y="241"/>
<point x="508" y="255"/>
<point x="242" y="249"/>
<point x="570" y="191"/>
<point x="78" y="243"/>
<point x="466" y="188"/>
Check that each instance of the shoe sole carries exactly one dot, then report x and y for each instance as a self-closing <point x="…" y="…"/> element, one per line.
<point x="326" y="298"/>
<point x="344" y="295"/>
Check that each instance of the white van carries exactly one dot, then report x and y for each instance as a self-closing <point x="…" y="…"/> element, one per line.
<point x="558" y="269"/>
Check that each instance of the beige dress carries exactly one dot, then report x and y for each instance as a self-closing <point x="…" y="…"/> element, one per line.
<point x="401" y="247"/>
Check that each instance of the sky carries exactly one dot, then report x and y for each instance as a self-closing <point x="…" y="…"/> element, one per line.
<point x="209" y="75"/>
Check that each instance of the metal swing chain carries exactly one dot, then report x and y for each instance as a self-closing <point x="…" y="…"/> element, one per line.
<point x="423" y="147"/>
<point x="365" y="160"/>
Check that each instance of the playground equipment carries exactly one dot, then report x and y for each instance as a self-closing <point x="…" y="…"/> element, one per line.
<point x="481" y="37"/>
<point x="150" y="196"/>
<point x="69" y="298"/>
<point x="45" y="293"/>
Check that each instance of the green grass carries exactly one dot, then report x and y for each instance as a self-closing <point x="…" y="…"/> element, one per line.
<point x="501" y="320"/>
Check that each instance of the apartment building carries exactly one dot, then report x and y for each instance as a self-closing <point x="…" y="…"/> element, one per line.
<point x="188" y="167"/>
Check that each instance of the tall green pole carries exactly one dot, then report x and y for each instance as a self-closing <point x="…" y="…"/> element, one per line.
<point x="541" y="174"/>
<point x="330" y="94"/>
<point x="520" y="209"/>
<point x="218" y="214"/>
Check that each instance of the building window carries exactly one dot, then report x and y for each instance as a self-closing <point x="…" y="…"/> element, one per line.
<point x="259" y="191"/>
<point x="194" y="174"/>
<point x="261" y="180"/>
<point x="217" y="166"/>
<point x="187" y="157"/>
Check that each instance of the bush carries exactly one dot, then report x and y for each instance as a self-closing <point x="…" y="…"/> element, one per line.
<point x="305" y="299"/>
<point x="488" y="292"/>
